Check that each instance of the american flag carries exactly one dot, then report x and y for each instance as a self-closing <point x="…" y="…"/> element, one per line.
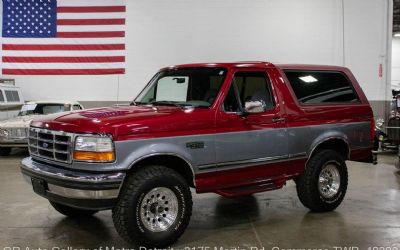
<point x="64" y="37"/>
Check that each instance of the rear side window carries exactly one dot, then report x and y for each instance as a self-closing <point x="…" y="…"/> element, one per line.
<point x="313" y="87"/>
<point x="1" y="96"/>
<point x="12" y="95"/>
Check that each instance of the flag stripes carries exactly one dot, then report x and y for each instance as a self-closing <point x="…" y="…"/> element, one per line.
<point x="90" y="39"/>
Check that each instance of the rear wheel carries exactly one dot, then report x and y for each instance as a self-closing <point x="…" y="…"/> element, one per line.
<point x="323" y="184"/>
<point x="71" y="211"/>
<point x="154" y="207"/>
<point x="5" y="151"/>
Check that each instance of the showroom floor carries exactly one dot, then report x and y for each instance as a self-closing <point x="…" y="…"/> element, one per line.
<point x="369" y="216"/>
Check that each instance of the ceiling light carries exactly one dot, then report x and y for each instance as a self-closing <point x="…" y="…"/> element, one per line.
<point x="396" y="34"/>
<point x="308" y="79"/>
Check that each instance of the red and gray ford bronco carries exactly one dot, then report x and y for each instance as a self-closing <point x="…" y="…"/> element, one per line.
<point x="232" y="128"/>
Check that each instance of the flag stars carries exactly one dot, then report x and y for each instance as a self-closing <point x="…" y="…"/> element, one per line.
<point x="26" y="18"/>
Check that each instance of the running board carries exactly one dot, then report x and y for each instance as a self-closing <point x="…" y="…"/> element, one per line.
<point x="251" y="189"/>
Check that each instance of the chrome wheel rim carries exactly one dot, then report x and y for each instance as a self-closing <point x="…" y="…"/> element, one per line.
<point x="159" y="209"/>
<point x="329" y="181"/>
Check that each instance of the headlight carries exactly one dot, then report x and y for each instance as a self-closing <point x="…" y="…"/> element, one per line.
<point x="94" y="149"/>
<point x="379" y="122"/>
<point x="3" y="133"/>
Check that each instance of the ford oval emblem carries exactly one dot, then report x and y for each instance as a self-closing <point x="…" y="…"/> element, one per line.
<point x="45" y="145"/>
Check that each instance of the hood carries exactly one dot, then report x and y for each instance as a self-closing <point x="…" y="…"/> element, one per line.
<point x="18" y="121"/>
<point x="123" y="121"/>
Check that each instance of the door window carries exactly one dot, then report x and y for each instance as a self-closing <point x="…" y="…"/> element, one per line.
<point x="248" y="89"/>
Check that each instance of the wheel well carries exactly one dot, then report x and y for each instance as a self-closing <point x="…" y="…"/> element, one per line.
<point x="170" y="161"/>
<point x="338" y="145"/>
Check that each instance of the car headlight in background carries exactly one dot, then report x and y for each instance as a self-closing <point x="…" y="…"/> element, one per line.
<point x="94" y="149"/>
<point x="3" y="133"/>
<point x="379" y="122"/>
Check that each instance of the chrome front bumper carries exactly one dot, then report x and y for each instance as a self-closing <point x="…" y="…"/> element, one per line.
<point x="14" y="142"/>
<point x="71" y="187"/>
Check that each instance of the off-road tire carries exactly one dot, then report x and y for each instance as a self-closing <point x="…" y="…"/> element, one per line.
<point x="307" y="183"/>
<point x="127" y="213"/>
<point x="5" y="151"/>
<point x="71" y="211"/>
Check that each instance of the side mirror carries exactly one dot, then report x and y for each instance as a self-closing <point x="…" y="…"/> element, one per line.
<point x="254" y="107"/>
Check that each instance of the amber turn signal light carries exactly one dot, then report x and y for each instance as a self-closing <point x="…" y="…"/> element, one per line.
<point x="94" y="156"/>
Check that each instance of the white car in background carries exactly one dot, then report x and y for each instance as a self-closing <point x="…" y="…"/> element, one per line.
<point x="14" y="131"/>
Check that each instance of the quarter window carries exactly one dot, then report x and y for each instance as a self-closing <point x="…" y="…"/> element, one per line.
<point x="313" y="87"/>
<point x="249" y="87"/>
<point x="76" y="107"/>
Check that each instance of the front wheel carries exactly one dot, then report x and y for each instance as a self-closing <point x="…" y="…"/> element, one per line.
<point x="323" y="184"/>
<point x="5" y="151"/>
<point x="154" y="207"/>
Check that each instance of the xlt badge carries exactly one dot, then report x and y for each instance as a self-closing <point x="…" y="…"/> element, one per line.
<point x="195" y="145"/>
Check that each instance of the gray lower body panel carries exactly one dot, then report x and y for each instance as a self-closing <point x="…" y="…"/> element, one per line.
<point x="73" y="188"/>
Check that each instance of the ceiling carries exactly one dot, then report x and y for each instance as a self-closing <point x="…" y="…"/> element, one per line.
<point x="396" y="16"/>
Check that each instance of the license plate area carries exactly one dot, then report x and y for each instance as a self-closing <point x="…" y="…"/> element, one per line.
<point x="39" y="186"/>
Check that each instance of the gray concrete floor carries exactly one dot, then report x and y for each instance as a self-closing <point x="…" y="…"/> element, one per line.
<point x="368" y="217"/>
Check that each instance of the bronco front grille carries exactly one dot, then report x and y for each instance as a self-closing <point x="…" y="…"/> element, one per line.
<point x="50" y="144"/>
<point x="16" y="133"/>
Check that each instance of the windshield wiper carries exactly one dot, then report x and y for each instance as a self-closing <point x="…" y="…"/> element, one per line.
<point x="170" y="103"/>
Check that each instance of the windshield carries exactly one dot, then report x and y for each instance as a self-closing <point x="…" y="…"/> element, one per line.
<point x="43" y="109"/>
<point x="197" y="87"/>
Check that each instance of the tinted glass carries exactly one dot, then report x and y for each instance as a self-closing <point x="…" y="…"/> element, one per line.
<point x="1" y="96"/>
<point x="12" y="95"/>
<point x="251" y="87"/>
<point x="312" y="87"/>
<point x="231" y="103"/>
<point x="76" y="107"/>
<point x="196" y="87"/>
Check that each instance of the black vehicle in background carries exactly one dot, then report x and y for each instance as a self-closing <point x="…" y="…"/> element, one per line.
<point x="389" y="141"/>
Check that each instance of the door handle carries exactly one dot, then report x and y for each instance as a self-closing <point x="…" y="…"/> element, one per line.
<point x="278" y="119"/>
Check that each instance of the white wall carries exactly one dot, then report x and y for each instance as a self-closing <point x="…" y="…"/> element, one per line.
<point x="396" y="63"/>
<point x="165" y="32"/>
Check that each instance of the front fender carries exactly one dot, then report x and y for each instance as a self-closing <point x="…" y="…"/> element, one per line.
<point x="131" y="152"/>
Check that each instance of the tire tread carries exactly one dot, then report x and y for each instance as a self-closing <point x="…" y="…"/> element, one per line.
<point x="305" y="184"/>
<point x="133" y="183"/>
